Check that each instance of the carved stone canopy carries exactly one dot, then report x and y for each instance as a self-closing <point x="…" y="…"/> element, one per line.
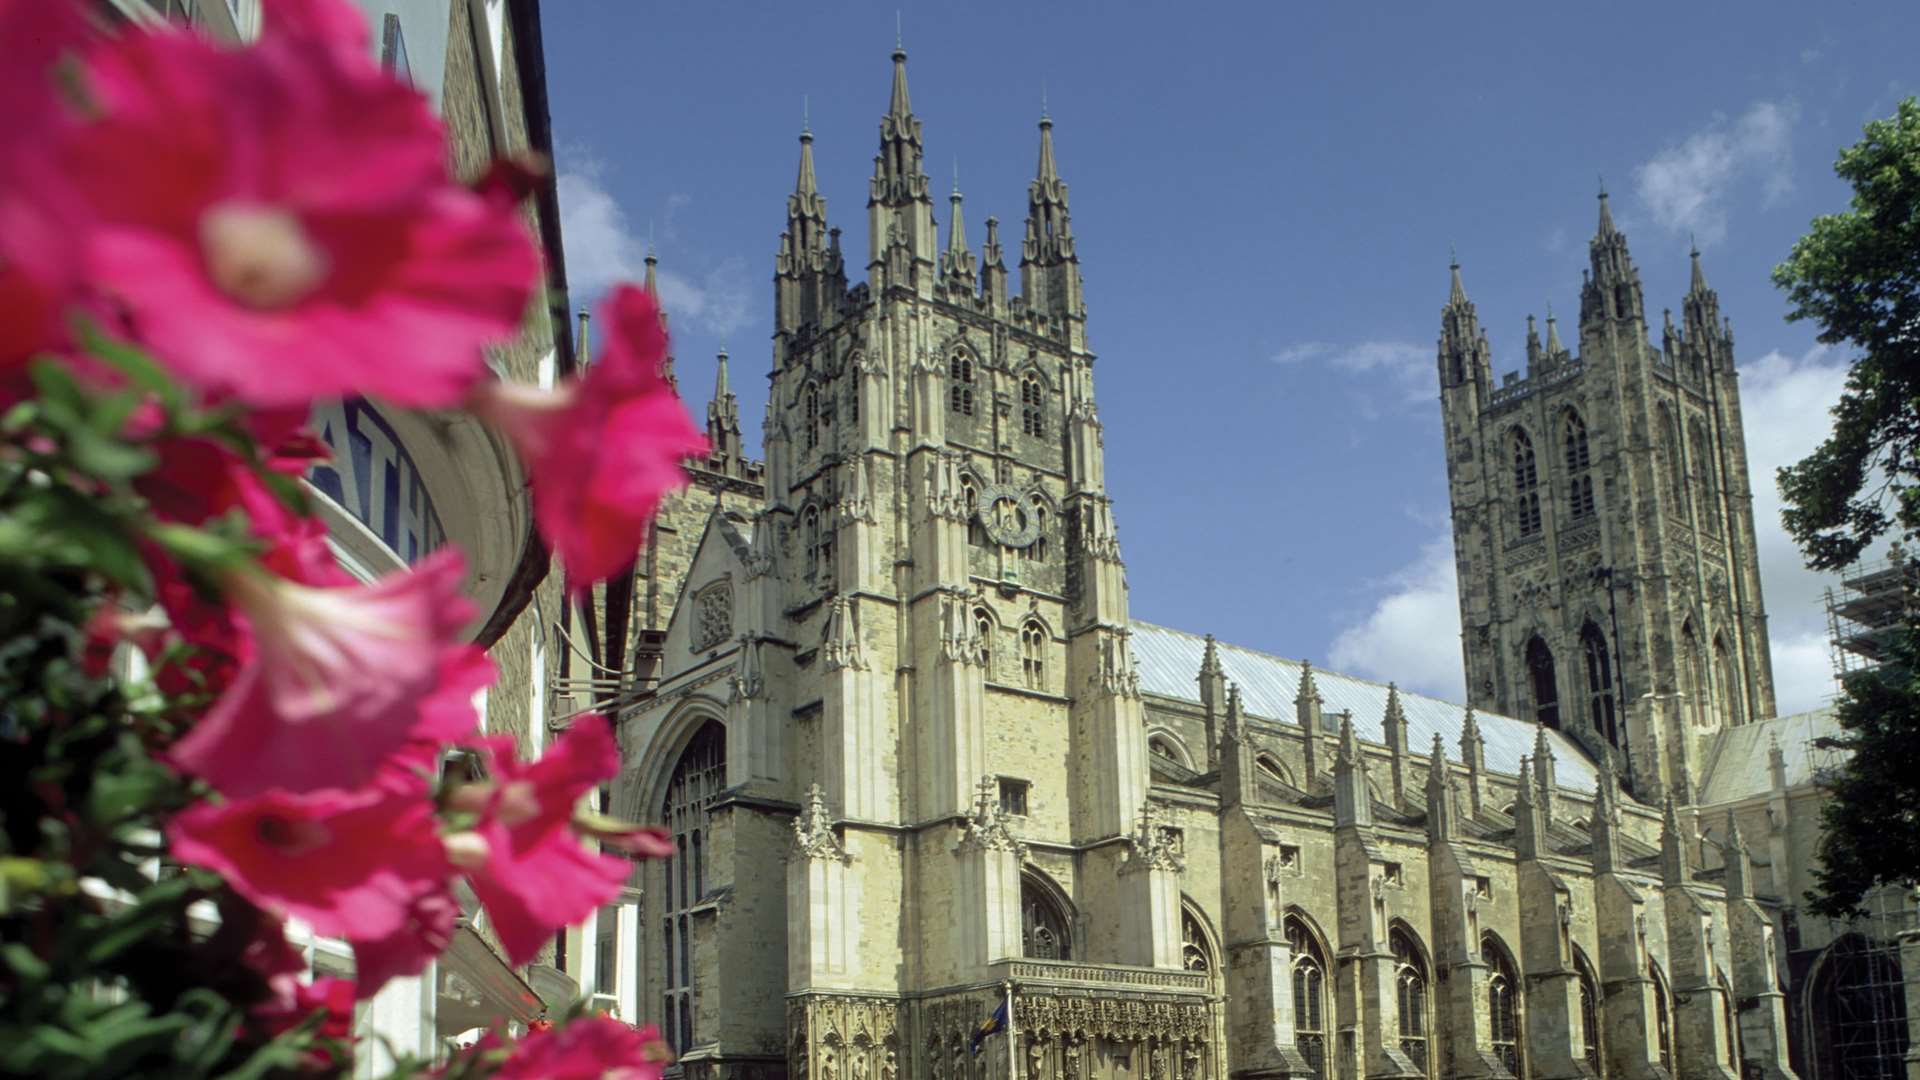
<point x="986" y="828"/>
<point x="813" y="835"/>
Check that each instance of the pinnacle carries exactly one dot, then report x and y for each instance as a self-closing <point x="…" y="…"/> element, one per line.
<point x="1458" y="293"/>
<point x="899" y="105"/>
<point x="1047" y="171"/>
<point x="805" y="183"/>
<point x="1606" y="217"/>
<point x="1699" y="275"/>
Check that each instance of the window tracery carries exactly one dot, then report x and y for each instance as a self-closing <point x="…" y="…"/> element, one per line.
<point x="1196" y="953"/>
<point x="1545" y="681"/>
<point x="1589" y="1016"/>
<point x="1526" y="483"/>
<point x="1309" y="994"/>
<point x="1662" y="1017"/>
<point x="811" y="414"/>
<point x="1032" y="406"/>
<point x="1045" y="931"/>
<point x="1600" y="690"/>
<point x="1033" y="654"/>
<point x="1579" y="481"/>
<point x="699" y="775"/>
<point x="1410" y="986"/>
<point x="1503" y="1004"/>
<point x="960" y="376"/>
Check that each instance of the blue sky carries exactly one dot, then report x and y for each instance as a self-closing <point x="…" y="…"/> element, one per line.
<point x="1264" y="197"/>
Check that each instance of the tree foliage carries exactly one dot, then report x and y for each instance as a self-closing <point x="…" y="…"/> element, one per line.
<point x="1858" y="275"/>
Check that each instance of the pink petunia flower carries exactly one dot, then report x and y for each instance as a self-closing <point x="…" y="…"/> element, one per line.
<point x="533" y="871"/>
<point x="421" y="936"/>
<point x="603" y="450"/>
<point x="351" y="864"/>
<point x="295" y="233"/>
<point x="339" y="681"/>
<point x="589" y="1048"/>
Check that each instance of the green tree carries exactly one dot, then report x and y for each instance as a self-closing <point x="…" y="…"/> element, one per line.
<point x="1857" y="274"/>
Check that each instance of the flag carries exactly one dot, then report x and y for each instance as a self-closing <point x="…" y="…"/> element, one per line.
<point x="993" y="1025"/>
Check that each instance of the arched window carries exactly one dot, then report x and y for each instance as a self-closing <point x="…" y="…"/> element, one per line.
<point x="1045" y="931"/>
<point x="1579" y="483"/>
<point x="1733" y="1027"/>
<point x="1546" y="684"/>
<point x="1309" y="994"/>
<point x="810" y="532"/>
<point x="699" y="775"/>
<point x="1037" y="551"/>
<point x="1196" y="952"/>
<point x="1033" y="654"/>
<point x="1589" y="1016"/>
<point x="1694" y="660"/>
<point x="1271" y="768"/>
<point x="1708" y="506"/>
<point x="825" y="570"/>
<point x="810" y="408"/>
<point x="1410" y="996"/>
<point x="1600" y="691"/>
<point x="970" y="496"/>
<point x="853" y="397"/>
<point x="1670" y="447"/>
<point x="1526" y="483"/>
<point x="983" y="626"/>
<point x="960" y="375"/>
<point x="1165" y="748"/>
<point x="1032" y="406"/>
<point x="1858" y="1012"/>
<point x="1503" y="1004"/>
<point x="1662" y="1016"/>
<point x="1729" y="686"/>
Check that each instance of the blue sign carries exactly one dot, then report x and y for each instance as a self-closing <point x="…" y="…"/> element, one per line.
<point x="373" y="478"/>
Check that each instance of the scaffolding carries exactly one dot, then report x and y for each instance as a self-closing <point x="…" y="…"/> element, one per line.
<point x="1874" y="599"/>
<point x="1859" y="1021"/>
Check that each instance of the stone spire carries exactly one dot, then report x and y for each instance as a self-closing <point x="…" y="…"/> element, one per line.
<point x="1528" y="833"/>
<point x="1699" y="283"/>
<point x="650" y="281"/>
<point x="1606" y="840"/>
<point x="1554" y="348"/>
<point x="1213" y="696"/>
<point x="1441" y="811"/>
<point x="1465" y="356"/>
<point x="1352" y="799"/>
<point x="1306" y="709"/>
<point x="808" y="269"/>
<point x="1473" y="751"/>
<point x="1533" y="344"/>
<point x="1049" y="268"/>
<point x="900" y="204"/>
<point x="1673" y="848"/>
<point x="993" y="267"/>
<point x="1543" y="772"/>
<point x="899" y="175"/>
<point x="1707" y="340"/>
<point x="957" y="266"/>
<point x="1612" y="289"/>
<point x="1394" y="723"/>
<point x="723" y="415"/>
<point x="1739" y="865"/>
<point x="1237" y="778"/>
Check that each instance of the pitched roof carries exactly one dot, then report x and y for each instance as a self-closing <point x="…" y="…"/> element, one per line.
<point x="1169" y="664"/>
<point x="1739" y="764"/>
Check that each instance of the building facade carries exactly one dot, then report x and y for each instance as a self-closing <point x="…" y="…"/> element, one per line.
<point x="921" y="762"/>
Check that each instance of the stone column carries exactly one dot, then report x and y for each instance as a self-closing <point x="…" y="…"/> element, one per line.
<point x="823" y="902"/>
<point x="987" y="885"/>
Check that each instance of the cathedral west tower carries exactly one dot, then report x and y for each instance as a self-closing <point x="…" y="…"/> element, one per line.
<point x="1603" y="525"/>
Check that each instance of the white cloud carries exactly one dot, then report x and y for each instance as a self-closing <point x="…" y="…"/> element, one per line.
<point x="603" y="250"/>
<point x="1405" y="367"/>
<point x="1412" y="635"/>
<point x="1687" y="186"/>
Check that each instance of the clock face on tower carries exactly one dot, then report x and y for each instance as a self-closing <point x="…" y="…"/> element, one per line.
<point x="1008" y="522"/>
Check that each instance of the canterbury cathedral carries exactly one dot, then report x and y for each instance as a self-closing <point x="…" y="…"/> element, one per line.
<point x="946" y="809"/>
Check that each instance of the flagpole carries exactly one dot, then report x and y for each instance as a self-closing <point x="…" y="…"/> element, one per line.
<point x="1013" y="1058"/>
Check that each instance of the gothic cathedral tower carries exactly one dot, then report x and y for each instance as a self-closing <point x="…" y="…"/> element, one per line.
<point x="1603" y="525"/>
<point x="947" y="636"/>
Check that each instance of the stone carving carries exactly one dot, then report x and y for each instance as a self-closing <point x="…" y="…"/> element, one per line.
<point x="712" y="615"/>
<point x="986" y="828"/>
<point x="857" y="1036"/>
<point x="813" y="835"/>
<point x="1155" y="845"/>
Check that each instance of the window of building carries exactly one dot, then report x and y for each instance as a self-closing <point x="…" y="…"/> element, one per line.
<point x="1309" y="994"/>
<point x="810" y="414"/>
<point x="1579" y="482"/>
<point x="1032" y="406"/>
<point x="983" y="626"/>
<point x="1013" y="796"/>
<point x="1694" y="659"/>
<point x="700" y="775"/>
<point x="606" y="939"/>
<point x="1503" y="1004"/>
<point x="810" y="534"/>
<point x="960" y="377"/>
<point x="1037" y="551"/>
<point x="853" y="397"/>
<point x="1196" y="952"/>
<point x="1545" y="682"/>
<point x="1045" y="931"/>
<point x="1670" y="448"/>
<point x="1033" y="654"/>
<point x="1600" y="700"/>
<point x="1732" y="1045"/>
<point x="1410" y="997"/>
<point x="1858" y="1011"/>
<point x="1662" y="1017"/>
<point x="1526" y="483"/>
<point x="1589" y="1016"/>
<point x="970" y="497"/>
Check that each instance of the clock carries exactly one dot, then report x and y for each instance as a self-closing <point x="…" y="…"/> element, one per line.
<point x="1009" y="521"/>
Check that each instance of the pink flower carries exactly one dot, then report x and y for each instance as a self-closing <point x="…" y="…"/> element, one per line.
<point x="340" y="680"/>
<point x="294" y="232"/>
<point x="534" y="873"/>
<point x="421" y="936"/>
<point x="590" y="1048"/>
<point x="603" y="450"/>
<point x="351" y="864"/>
<point x="333" y="995"/>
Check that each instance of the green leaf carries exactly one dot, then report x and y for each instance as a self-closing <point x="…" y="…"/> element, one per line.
<point x="140" y="369"/>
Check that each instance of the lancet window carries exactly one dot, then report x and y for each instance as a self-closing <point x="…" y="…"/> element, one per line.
<point x="1503" y="1004"/>
<point x="700" y="775"/>
<point x="1545" y="683"/>
<point x="1600" y="691"/>
<point x="1033" y="415"/>
<point x="1309" y="994"/>
<point x="1033" y="654"/>
<point x="960" y="380"/>
<point x="1037" y="551"/>
<point x="810" y="414"/>
<point x="1045" y="931"/>
<point x="1579" y="480"/>
<point x="810" y="534"/>
<point x="1410" y="997"/>
<point x="1694" y="658"/>
<point x="970" y="498"/>
<point x="983" y="628"/>
<point x="1724" y="675"/>
<point x="1671" y="448"/>
<point x="1662" y="1017"/>
<point x="1196" y="953"/>
<point x="1708" y="505"/>
<point x="1526" y="484"/>
<point x="1589" y="1016"/>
